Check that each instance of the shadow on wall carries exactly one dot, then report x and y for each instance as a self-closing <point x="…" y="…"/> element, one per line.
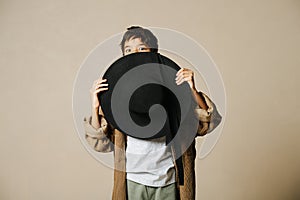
<point x="295" y="191"/>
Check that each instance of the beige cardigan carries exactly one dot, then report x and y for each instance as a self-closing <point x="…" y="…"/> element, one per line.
<point x="107" y="139"/>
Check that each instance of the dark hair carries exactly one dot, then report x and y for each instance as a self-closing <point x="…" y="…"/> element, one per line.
<point x="145" y="35"/>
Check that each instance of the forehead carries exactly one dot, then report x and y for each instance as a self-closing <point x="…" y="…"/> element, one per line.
<point x="133" y="42"/>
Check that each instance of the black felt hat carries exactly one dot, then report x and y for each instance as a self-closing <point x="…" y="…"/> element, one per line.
<point x="137" y="82"/>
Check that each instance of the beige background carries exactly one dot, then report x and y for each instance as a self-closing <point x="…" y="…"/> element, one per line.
<point x="254" y="43"/>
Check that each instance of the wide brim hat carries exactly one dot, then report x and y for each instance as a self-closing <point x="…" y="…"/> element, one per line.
<point x="143" y="100"/>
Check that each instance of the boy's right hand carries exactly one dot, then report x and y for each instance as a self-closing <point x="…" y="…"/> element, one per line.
<point x="99" y="85"/>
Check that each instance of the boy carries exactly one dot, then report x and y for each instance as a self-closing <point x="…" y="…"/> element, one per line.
<point x="153" y="176"/>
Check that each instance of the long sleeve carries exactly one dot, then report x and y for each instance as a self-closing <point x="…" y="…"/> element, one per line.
<point x="100" y="139"/>
<point x="208" y="119"/>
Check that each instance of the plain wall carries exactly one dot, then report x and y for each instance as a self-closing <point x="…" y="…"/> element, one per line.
<point x="254" y="43"/>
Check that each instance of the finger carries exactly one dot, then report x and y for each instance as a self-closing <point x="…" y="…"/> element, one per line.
<point x="184" y="72"/>
<point x="188" y="72"/>
<point x="100" y="90"/>
<point x="99" y="81"/>
<point x="187" y="75"/>
<point x="179" y="74"/>
<point x="101" y="85"/>
<point x="184" y="78"/>
<point x="179" y="71"/>
<point x="180" y="79"/>
<point x="184" y="75"/>
<point x="93" y="90"/>
<point x="102" y="80"/>
<point x="180" y="82"/>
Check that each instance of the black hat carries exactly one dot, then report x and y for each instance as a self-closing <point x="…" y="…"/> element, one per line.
<point x="136" y="82"/>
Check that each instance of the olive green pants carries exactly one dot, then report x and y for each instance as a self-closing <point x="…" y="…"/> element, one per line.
<point x="136" y="191"/>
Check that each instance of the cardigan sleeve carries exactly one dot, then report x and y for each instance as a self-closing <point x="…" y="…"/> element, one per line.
<point x="100" y="139"/>
<point x="208" y="119"/>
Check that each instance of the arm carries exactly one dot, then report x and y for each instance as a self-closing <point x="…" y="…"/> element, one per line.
<point x="209" y="118"/>
<point x="187" y="75"/>
<point x="206" y="112"/>
<point x="99" y="139"/>
<point x="98" y="132"/>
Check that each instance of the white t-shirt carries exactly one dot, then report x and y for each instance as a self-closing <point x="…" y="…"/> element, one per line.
<point x="149" y="162"/>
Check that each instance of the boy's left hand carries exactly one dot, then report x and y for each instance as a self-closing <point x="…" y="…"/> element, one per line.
<point x="187" y="75"/>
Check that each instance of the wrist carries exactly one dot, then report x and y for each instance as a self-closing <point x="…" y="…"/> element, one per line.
<point x="194" y="90"/>
<point x="95" y="110"/>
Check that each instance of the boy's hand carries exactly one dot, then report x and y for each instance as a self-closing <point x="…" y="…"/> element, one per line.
<point x="188" y="76"/>
<point x="185" y="75"/>
<point x="99" y="85"/>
